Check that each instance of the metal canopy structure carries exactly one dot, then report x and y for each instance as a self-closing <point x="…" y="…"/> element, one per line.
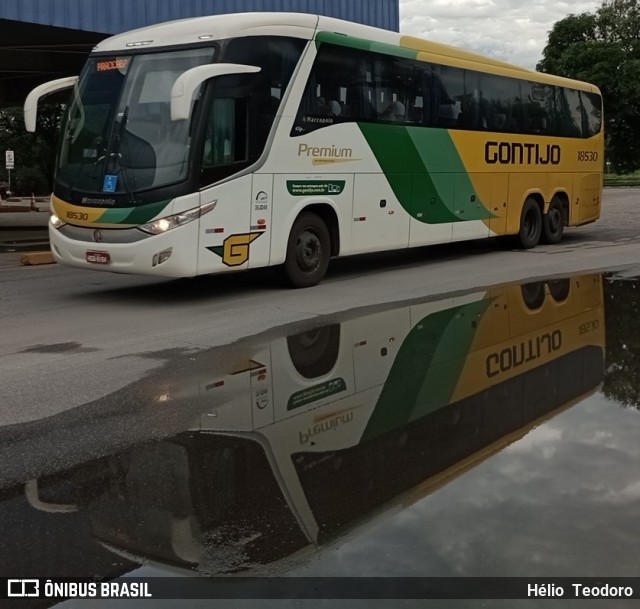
<point x="45" y="39"/>
<point x="31" y="54"/>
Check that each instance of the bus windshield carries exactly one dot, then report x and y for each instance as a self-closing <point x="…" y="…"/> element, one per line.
<point x="118" y="136"/>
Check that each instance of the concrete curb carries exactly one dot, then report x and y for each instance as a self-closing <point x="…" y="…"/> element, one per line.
<point x="37" y="258"/>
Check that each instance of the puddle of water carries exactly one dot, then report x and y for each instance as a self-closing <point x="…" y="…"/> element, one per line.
<point x="488" y="434"/>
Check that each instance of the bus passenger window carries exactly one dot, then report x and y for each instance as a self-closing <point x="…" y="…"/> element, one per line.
<point x="335" y="89"/>
<point x="329" y="107"/>
<point x="501" y="105"/>
<point x="570" y="111"/>
<point x="451" y="94"/>
<point x="448" y="113"/>
<point x="416" y="111"/>
<point x="591" y="113"/>
<point x="538" y="108"/>
<point x="395" y="111"/>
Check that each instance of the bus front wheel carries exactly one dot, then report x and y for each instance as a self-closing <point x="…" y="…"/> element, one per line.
<point x="308" y="251"/>
<point x="554" y="222"/>
<point x="530" y="224"/>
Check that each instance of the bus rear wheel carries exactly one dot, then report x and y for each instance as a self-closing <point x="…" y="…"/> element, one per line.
<point x="308" y="251"/>
<point x="533" y="294"/>
<point x="559" y="289"/>
<point x="530" y="224"/>
<point x="553" y="224"/>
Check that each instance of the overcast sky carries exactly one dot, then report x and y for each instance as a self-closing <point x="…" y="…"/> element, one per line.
<point x="511" y="30"/>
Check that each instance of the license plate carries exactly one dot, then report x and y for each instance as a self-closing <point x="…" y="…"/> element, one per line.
<point x="98" y="257"/>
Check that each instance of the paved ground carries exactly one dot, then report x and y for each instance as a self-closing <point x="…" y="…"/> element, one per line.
<point x="70" y="337"/>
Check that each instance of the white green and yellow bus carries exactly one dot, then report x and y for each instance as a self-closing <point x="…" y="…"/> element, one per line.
<point x="300" y="440"/>
<point x="273" y="139"/>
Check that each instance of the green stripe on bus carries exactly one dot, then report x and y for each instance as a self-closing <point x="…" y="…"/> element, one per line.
<point x="115" y="216"/>
<point x="365" y="45"/>
<point x="436" y="148"/>
<point x="426" y="370"/>
<point x="407" y="156"/>
<point x="133" y="215"/>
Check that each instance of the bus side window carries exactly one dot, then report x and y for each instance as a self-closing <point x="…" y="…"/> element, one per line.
<point x="432" y="94"/>
<point x="226" y="146"/>
<point x="416" y="111"/>
<point x="334" y="91"/>
<point x="592" y="113"/>
<point x="448" y="113"/>
<point x="224" y="143"/>
<point x="502" y="104"/>
<point x="277" y="57"/>
<point x="538" y="108"/>
<point x="353" y="85"/>
<point x="570" y="112"/>
<point x="470" y="103"/>
<point x="450" y="106"/>
<point x="398" y="89"/>
<point x="518" y="115"/>
<point x="243" y="107"/>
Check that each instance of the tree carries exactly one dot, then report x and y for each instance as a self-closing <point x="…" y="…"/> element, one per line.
<point x="604" y="48"/>
<point x="35" y="153"/>
<point x="622" y="376"/>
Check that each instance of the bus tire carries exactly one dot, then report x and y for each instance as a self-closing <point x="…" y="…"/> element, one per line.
<point x="314" y="353"/>
<point x="308" y="251"/>
<point x="559" y="289"/>
<point x="533" y="294"/>
<point x="530" y="224"/>
<point x="553" y="222"/>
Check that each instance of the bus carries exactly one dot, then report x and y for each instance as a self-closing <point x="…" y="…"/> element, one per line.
<point x="303" y="439"/>
<point x="243" y="141"/>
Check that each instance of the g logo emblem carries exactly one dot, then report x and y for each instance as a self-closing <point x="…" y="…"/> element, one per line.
<point x="234" y="250"/>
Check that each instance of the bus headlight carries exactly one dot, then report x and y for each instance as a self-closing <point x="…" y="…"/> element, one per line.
<point x="55" y="221"/>
<point x="162" y="225"/>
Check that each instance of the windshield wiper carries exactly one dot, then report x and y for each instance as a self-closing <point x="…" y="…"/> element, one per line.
<point x="120" y="152"/>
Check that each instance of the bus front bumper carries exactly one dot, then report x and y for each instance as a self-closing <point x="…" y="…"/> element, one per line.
<point x="172" y="254"/>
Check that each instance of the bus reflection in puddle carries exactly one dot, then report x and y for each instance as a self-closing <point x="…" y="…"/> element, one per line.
<point x="320" y="431"/>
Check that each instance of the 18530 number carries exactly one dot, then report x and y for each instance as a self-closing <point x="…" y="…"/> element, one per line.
<point x="587" y="155"/>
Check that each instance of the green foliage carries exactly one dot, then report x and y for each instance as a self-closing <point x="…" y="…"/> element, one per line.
<point x="622" y="378"/>
<point x="30" y="180"/>
<point x="627" y="179"/>
<point x="604" y="49"/>
<point x="34" y="152"/>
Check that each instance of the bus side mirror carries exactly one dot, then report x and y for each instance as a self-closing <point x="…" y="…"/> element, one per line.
<point x="187" y="83"/>
<point x="31" y="103"/>
<point x="32" y="493"/>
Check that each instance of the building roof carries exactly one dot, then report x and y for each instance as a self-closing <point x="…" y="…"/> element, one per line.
<point x="117" y="16"/>
<point x="42" y="40"/>
<point x="219" y="27"/>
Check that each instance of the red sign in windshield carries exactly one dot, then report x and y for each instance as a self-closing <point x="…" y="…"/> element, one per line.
<point x="121" y="63"/>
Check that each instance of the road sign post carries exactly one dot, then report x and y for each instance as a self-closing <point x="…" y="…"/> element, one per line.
<point x="9" y="161"/>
